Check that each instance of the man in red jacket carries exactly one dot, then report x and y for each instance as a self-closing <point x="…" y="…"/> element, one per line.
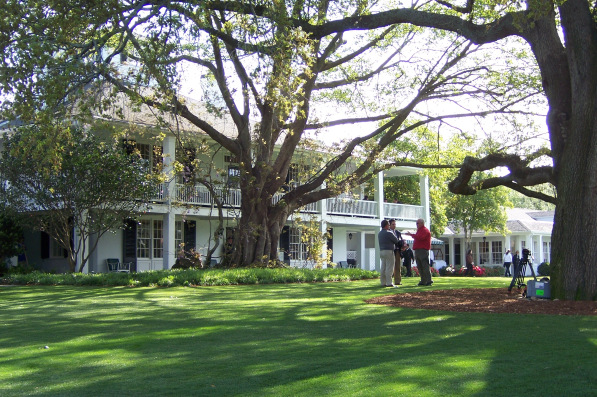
<point x="421" y="246"/>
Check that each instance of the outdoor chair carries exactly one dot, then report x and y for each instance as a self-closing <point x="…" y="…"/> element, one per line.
<point x="343" y="264"/>
<point x="114" y="266"/>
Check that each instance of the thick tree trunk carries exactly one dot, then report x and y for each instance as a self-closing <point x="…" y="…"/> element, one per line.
<point x="574" y="236"/>
<point x="258" y="231"/>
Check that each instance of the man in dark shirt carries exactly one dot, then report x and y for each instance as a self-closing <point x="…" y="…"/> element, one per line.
<point x="397" y="253"/>
<point x="409" y="257"/>
<point x="387" y="242"/>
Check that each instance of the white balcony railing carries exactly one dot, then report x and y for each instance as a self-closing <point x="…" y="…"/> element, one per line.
<point x="403" y="211"/>
<point x="200" y="195"/>
<point x="352" y="207"/>
<point x="159" y="194"/>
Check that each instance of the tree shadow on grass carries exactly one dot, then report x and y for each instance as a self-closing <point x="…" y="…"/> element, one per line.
<point x="275" y="340"/>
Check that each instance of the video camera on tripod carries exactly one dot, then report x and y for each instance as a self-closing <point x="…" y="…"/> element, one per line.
<point x="535" y="288"/>
<point x="522" y="268"/>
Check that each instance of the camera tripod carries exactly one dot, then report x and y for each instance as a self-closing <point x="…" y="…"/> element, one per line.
<point x="520" y="272"/>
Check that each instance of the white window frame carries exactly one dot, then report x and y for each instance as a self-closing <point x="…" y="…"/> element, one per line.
<point x="150" y="239"/>
<point x="496" y="251"/>
<point x="483" y="252"/>
<point x="297" y="250"/>
<point x="546" y="251"/>
<point x="178" y="235"/>
<point x="56" y="250"/>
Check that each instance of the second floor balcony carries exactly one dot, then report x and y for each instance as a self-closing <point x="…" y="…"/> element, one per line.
<point x="337" y="206"/>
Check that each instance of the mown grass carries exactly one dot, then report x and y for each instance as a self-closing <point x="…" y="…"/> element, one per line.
<point x="282" y="340"/>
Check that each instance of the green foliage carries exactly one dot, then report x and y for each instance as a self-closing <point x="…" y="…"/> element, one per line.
<point x="189" y="277"/>
<point x="11" y="235"/>
<point x="544" y="269"/>
<point x="21" y="268"/>
<point x="485" y="210"/>
<point x="314" y="241"/>
<point x="521" y="201"/>
<point x="265" y="65"/>
<point x="62" y="179"/>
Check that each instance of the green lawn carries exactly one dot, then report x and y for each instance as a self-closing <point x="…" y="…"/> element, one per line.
<point x="282" y="340"/>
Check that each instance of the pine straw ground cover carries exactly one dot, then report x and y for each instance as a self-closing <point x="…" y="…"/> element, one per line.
<point x="488" y="300"/>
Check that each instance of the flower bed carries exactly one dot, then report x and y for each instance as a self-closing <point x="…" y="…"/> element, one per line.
<point x="479" y="271"/>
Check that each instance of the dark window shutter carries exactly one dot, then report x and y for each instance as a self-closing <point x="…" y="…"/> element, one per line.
<point x="45" y="245"/>
<point x="129" y="236"/>
<point x="190" y="228"/>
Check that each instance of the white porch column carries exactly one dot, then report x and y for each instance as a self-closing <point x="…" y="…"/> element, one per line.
<point x="507" y="243"/>
<point x="169" y="155"/>
<point x="540" y="248"/>
<point x="424" y="189"/>
<point x="519" y="245"/>
<point x="452" y="259"/>
<point x="169" y="239"/>
<point x="363" y="261"/>
<point x="478" y="252"/>
<point x="463" y="250"/>
<point x="377" y="250"/>
<point x="323" y="210"/>
<point x="379" y="198"/>
<point x="323" y="228"/>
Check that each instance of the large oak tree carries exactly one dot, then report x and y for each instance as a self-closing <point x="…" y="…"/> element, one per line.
<point x="562" y="36"/>
<point x="281" y="69"/>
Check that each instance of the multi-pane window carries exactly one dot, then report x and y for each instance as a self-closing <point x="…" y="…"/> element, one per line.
<point x="496" y="252"/>
<point x="546" y="251"/>
<point x="297" y="249"/>
<point x="152" y="154"/>
<point x="296" y="175"/>
<point x="56" y="250"/>
<point x="158" y="240"/>
<point x="484" y="253"/>
<point x="178" y="235"/>
<point x="144" y="238"/>
<point x="186" y="157"/>
<point x="233" y="176"/>
<point x="150" y="242"/>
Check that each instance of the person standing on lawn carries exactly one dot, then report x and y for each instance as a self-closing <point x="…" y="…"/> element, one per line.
<point x="397" y="254"/>
<point x="422" y="246"/>
<point x="507" y="263"/>
<point x="409" y="257"/>
<point x="387" y="242"/>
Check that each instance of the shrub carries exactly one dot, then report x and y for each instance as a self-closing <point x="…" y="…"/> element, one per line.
<point x="21" y="268"/>
<point x="188" y="277"/>
<point x="481" y="271"/>
<point x="415" y="271"/>
<point x="543" y="269"/>
<point x="447" y="271"/>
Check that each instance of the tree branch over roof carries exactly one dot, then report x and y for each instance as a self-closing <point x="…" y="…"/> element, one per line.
<point x="520" y="176"/>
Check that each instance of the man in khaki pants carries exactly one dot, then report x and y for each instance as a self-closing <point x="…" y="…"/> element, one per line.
<point x="387" y="242"/>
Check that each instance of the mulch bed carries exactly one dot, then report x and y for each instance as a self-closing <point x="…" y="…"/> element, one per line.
<point x="485" y="300"/>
